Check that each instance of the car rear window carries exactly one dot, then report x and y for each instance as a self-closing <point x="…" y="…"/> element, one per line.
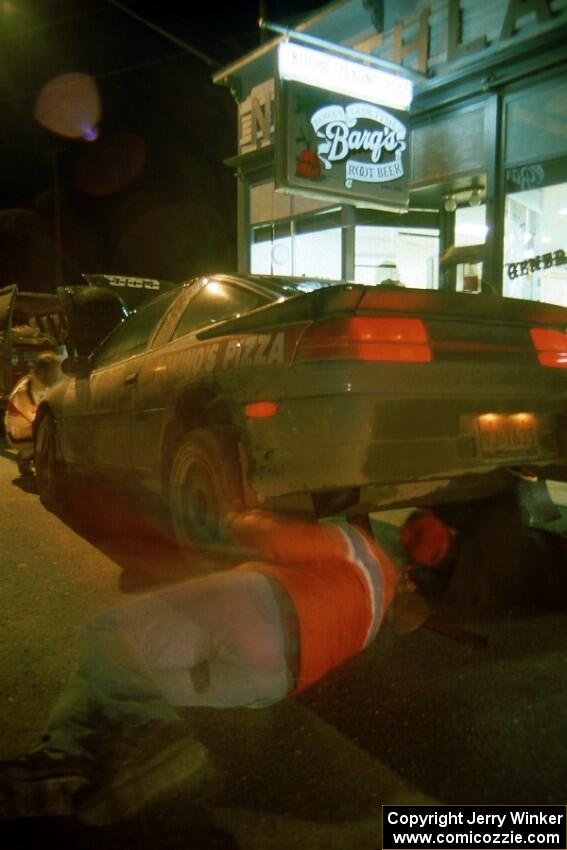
<point x="216" y="301"/>
<point x="133" y="335"/>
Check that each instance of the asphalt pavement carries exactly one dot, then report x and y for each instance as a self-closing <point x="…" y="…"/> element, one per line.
<point x="418" y="717"/>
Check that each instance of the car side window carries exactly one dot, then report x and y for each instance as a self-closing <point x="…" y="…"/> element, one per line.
<point x="215" y="302"/>
<point x="132" y="336"/>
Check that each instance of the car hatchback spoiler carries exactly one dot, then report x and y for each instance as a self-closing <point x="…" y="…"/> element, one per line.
<point x="134" y="291"/>
<point x="344" y="299"/>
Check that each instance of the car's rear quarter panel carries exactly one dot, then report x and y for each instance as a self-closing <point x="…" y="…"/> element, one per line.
<point x="233" y="370"/>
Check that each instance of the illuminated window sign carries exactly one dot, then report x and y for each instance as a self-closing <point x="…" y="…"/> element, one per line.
<point x="341" y="130"/>
<point x="325" y="71"/>
<point x="343" y="139"/>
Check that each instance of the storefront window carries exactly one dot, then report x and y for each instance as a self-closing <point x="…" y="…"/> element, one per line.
<point x="534" y="244"/>
<point x="318" y="254"/>
<point x="298" y="248"/>
<point x="409" y="255"/>
<point x="470" y="230"/>
<point x="271" y="250"/>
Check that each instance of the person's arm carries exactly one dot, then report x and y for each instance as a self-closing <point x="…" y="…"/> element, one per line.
<point x="288" y="541"/>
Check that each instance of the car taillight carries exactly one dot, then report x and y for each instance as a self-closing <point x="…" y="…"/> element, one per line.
<point x="367" y="338"/>
<point x="261" y="409"/>
<point x="551" y="347"/>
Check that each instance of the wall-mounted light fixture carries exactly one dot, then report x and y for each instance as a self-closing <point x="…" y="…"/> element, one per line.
<point x="475" y="199"/>
<point x="473" y="195"/>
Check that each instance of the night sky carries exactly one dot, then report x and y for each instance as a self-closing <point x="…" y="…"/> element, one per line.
<point x="40" y="39"/>
<point x="144" y="191"/>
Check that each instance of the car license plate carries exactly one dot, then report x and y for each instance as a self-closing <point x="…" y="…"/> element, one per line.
<point x="507" y="435"/>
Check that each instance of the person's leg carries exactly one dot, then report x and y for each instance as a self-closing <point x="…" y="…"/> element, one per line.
<point x="25" y="459"/>
<point x="111" y="683"/>
<point x="213" y="642"/>
<point x="216" y="641"/>
<point x="245" y="663"/>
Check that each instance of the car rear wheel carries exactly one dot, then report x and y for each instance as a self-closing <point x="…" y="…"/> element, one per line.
<point x="204" y="485"/>
<point x="49" y="471"/>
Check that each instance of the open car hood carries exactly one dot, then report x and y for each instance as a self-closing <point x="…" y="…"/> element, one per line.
<point x="92" y="313"/>
<point x="7" y="299"/>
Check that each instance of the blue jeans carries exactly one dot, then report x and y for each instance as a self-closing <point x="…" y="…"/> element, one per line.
<point x="216" y="641"/>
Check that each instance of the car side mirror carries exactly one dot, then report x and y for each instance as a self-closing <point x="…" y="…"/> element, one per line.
<point x="76" y="367"/>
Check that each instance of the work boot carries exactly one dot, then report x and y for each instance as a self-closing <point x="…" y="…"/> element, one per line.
<point x="25" y="467"/>
<point x="43" y="783"/>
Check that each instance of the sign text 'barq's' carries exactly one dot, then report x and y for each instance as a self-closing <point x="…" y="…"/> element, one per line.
<point x="337" y="126"/>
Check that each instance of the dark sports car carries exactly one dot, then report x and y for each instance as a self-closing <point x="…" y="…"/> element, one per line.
<point x="296" y="393"/>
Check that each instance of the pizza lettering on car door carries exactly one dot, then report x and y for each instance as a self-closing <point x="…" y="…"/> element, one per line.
<point x="250" y="351"/>
<point x="255" y="350"/>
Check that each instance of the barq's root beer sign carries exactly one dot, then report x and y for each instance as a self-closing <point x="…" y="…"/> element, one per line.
<point x="335" y="146"/>
<point x="380" y="145"/>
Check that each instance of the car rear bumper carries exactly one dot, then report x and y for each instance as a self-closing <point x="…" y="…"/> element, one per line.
<point x="396" y="451"/>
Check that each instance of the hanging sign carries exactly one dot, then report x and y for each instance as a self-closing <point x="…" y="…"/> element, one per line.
<point x="341" y="142"/>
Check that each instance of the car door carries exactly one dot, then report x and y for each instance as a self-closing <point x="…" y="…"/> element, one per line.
<point x="7" y="299"/>
<point x="112" y="386"/>
<point x="91" y="314"/>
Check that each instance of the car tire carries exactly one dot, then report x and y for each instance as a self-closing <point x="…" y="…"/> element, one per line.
<point x="49" y="470"/>
<point x="205" y="484"/>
